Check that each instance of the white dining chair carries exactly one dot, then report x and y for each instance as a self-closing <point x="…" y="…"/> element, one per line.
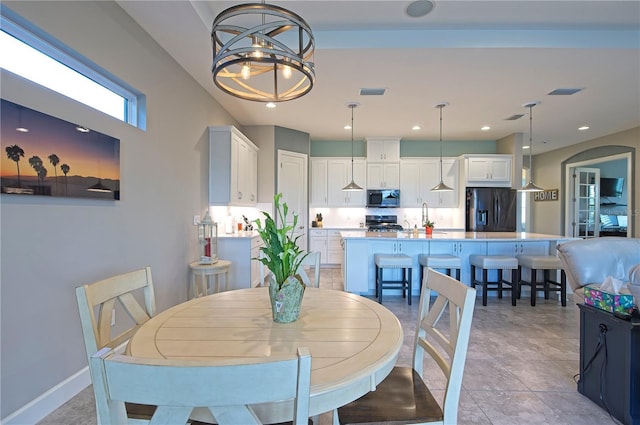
<point x="403" y="397"/>
<point x="226" y="389"/>
<point x="310" y="262"/>
<point x="101" y="298"/>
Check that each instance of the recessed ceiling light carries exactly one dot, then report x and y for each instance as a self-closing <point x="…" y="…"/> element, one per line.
<point x="22" y="129"/>
<point x="270" y="105"/>
<point x="526" y="147"/>
<point x="584" y="127"/>
<point x="82" y="129"/>
<point x="416" y="127"/>
<point x="419" y="8"/>
<point x="347" y="127"/>
<point x="485" y="128"/>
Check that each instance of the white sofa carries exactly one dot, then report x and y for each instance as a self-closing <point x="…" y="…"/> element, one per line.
<point x="588" y="261"/>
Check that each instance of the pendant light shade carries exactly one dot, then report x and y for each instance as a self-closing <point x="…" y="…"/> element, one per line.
<point x="353" y="186"/>
<point x="263" y="53"/>
<point x="531" y="187"/>
<point x="441" y="187"/>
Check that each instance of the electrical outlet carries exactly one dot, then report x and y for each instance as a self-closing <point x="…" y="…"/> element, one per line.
<point x="113" y="317"/>
<point x="196" y="220"/>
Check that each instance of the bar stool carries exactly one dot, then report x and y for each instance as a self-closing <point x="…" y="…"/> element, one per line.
<point x="499" y="263"/>
<point x="440" y="261"/>
<point x="393" y="261"/>
<point x="545" y="263"/>
<point x="206" y="272"/>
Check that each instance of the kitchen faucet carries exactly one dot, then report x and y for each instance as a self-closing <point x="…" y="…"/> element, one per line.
<point x="407" y="223"/>
<point x="425" y="213"/>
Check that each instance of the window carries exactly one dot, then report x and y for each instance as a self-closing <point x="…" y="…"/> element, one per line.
<point x="29" y="52"/>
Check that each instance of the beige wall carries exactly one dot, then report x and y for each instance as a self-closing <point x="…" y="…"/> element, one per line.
<point x="547" y="167"/>
<point x="50" y="246"/>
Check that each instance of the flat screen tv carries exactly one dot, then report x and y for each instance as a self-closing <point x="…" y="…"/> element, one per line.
<point x="611" y="186"/>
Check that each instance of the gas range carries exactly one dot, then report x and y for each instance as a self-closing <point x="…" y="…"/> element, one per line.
<point x="382" y="223"/>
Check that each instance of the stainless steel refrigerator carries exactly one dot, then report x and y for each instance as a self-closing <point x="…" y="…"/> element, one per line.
<point x="491" y="209"/>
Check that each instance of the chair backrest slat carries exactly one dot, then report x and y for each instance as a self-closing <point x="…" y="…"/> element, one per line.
<point x="177" y="387"/>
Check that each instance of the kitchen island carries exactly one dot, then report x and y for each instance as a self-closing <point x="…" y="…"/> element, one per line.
<point x="360" y="246"/>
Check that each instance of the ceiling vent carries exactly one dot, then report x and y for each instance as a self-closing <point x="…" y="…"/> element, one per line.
<point x="563" y="92"/>
<point x="514" y="117"/>
<point x="372" y="92"/>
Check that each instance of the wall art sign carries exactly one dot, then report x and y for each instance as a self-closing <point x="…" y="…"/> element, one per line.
<point x="46" y="156"/>
<point x="546" y="195"/>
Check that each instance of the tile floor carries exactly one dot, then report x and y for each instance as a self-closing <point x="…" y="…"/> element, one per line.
<point x="520" y="366"/>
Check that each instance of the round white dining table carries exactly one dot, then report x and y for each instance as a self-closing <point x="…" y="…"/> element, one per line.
<point x="354" y="342"/>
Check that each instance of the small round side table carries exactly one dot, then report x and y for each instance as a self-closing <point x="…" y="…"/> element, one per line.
<point x="206" y="271"/>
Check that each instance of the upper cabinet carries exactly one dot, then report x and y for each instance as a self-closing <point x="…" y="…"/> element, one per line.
<point x="383" y="175"/>
<point x="233" y="168"/>
<point x="419" y="175"/>
<point x="383" y="149"/>
<point x="330" y="175"/>
<point x="383" y="163"/>
<point x="488" y="170"/>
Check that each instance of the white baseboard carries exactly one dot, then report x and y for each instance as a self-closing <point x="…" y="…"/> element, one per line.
<point x="37" y="409"/>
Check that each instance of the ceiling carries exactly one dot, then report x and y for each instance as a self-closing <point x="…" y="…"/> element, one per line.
<point x="486" y="58"/>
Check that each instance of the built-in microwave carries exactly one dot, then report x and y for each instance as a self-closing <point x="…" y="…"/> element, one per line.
<point x="383" y="198"/>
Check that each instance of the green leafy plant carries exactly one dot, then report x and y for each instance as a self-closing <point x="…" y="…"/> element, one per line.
<point x="429" y="223"/>
<point x="281" y="254"/>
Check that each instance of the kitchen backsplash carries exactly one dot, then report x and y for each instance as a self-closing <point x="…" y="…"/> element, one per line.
<point x="448" y="218"/>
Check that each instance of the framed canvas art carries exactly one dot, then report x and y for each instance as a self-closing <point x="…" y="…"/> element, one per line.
<point x="46" y="156"/>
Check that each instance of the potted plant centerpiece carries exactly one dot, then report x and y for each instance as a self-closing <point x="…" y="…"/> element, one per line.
<point x="428" y="227"/>
<point x="282" y="256"/>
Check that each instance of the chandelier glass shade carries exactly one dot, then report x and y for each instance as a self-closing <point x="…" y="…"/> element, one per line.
<point x="531" y="187"/>
<point x="353" y="186"/>
<point x="263" y="53"/>
<point x="441" y="187"/>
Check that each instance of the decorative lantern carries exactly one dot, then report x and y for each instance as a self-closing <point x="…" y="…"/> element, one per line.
<point x="208" y="238"/>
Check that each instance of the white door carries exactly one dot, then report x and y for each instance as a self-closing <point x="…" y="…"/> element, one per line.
<point x="292" y="183"/>
<point x="586" y="202"/>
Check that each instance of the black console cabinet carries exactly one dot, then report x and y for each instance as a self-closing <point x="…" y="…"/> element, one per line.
<point x="616" y="380"/>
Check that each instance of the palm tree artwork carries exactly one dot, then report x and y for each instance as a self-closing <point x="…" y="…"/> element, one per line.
<point x="54" y="160"/>
<point x="65" y="169"/>
<point x="37" y="164"/>
<point x="14" y="153"/>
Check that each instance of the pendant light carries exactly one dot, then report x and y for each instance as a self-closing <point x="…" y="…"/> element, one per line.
<point x="353" y="186"/>
<point x="441" y="187"/>
<point x="531" y="187"/>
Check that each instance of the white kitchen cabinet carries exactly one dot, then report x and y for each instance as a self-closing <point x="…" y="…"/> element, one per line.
<point x="338" y="176"/>
<point x="417" y="178"/>
<point x="383" y="149"/>
<point x="518" y="248"/>
<point x="383" y="175"/>
<point x="244" y="271"/>
<point x="319" y="182"/>
<point x="318" y="242"/>
<point x="330" y="175"/>
<point x="488" y="170"/>
<point x="233" y="168"/>
<point x="335" y="252"/>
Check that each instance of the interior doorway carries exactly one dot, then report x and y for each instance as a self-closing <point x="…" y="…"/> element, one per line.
<point x="587" y="213"/>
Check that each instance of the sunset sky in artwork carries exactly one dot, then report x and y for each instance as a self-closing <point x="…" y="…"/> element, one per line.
<point x="89" y="154"/>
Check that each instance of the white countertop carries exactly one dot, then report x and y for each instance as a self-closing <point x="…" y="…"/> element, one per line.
<point x="238" y="235"/>
<point x="452" y="236"/>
